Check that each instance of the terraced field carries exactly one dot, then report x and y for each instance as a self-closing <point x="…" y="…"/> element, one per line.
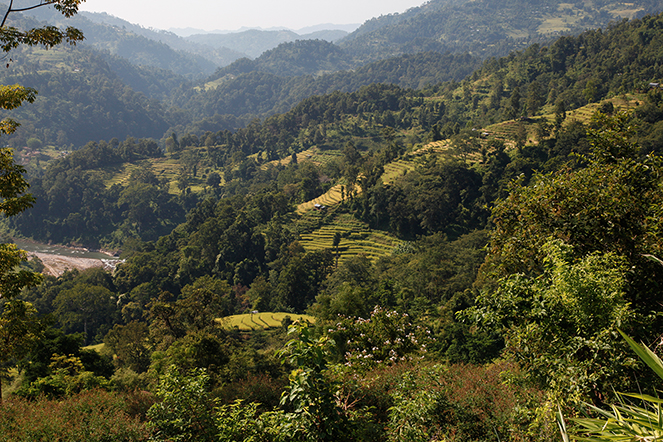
<point x="314" y="154"/>
<point x="97" y="347"/>
<point x="396" y="169"/>
<point x="356" y="239"/>
<point x="162" y="167"/>
<point x="329" y="198"/>
<point x="391" y="171"/>
<point x="122" y="175"/>
<point x="507" y="129"/>
<point x="260" y="321"/>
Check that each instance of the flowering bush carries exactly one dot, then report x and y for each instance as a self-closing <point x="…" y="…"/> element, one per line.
<point x="386" y="337"/>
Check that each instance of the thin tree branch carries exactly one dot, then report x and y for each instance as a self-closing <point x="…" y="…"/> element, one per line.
<point x="27" y="8"/>
<point x="9" y="9"/>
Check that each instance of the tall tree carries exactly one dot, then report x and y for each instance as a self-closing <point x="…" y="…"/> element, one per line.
<point x="17" y="324"/>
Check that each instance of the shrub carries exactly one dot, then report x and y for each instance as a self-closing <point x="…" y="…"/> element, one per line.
<point x="443" y="402"/>
<point x="90" y="416"/>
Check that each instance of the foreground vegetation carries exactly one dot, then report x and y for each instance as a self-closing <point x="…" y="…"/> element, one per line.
<point x="479" y="250"/>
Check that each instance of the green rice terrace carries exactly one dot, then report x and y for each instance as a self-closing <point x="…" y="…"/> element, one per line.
<point x="356" y="238"/>
<point x="260" y="321"/>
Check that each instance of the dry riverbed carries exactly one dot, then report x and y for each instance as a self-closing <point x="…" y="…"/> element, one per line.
<point x="57" y="259"/>
<point x="56" y="265"/>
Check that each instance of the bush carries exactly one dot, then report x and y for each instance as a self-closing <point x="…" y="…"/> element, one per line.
<point x="90" y="416"/>
<point x="416" y="402"/>
<point x="185" y="412"/>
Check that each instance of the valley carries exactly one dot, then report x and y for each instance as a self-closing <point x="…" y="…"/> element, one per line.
<point x="443" y="225"/>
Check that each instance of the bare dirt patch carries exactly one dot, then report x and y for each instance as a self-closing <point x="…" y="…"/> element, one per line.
<point x="56" y="265"/>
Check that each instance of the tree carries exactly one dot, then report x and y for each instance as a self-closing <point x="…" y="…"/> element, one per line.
<point x="561" y="326"/>
<point x="13" y="96"/>
<point x="607" y="214"/>
<point x="85" y="308"/>
<point x="13" y="199"/>
<point x="534" y="98"/>
<point x="316" y="414"/>
<point x="213" y="180"/>
<point x="185" y="409"/>
<point x="129" y="344"/>
<point x="560" y="113"/>
<point x="19" y="327"/>
<point x="514" y="103"/>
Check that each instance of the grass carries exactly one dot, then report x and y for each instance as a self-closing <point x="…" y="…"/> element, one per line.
<point x="260" y="321"/>
<point x="331" y="197"/>
<point x="98" y="347"/>
<point x="314" y="154"/>
<point x="167" y="167"/>
<point x="215" y="83"/>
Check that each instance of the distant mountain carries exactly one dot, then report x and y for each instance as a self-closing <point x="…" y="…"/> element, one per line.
<point x="254" y="42"/>
<point x="328" y="27"/>
<point x="143" y="46"/>
<point x="484" y="27"/>
<point x="186" y="32"/>
<point x="218" y="56"/>
<point x="301" y="57"/>
<point x="258" y="88"/>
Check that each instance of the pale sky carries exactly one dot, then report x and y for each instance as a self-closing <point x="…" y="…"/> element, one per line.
<point x="226" y="15"/>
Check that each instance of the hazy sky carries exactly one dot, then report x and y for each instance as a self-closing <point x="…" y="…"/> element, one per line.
<point x="232" y="15"/>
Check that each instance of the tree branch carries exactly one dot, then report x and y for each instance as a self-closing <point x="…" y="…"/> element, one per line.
<point x="9" y="9"/>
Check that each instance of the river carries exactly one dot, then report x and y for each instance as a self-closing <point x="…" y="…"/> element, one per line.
<point x="57" y="259"/>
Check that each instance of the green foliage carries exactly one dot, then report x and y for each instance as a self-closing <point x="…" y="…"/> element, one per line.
<point x="265" y="86"/>
<point x="487" y="29"/>
<point x="442" y="196"/>
<point x="185" y="410"/>
<point x="315" y="413"/>
<point x="130" y="346"/>
<point x="624" y="420"/>
<point x="86" y="308"/>
<point x="67" y="377"/>
<point x="444" y="402"/>
<point x="561" y="325"/>
<point x="608" y="206"/>
<point x="19" y="326"/>
<point x="74" y="204"/>
<point x="48" y="36"/>
<point x="241" y="423"/>
<point x="19" y="330"/>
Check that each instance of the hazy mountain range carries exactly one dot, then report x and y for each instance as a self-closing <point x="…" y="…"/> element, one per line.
<point x="257" y="73"/>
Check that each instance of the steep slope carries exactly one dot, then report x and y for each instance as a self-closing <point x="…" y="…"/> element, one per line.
<point x="220" y="56"/>
<point x="301" y="57"/>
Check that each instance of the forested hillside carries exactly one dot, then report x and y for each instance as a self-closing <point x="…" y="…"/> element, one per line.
<point x="280" y="78"/>
<point x="249" y="88"/>
<point x="81" y="98"/>
<point x="142" y="47"/>
<point x="467" y="248"/>
<point x="221" y="56"/>
<point x="484" y="28"/>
